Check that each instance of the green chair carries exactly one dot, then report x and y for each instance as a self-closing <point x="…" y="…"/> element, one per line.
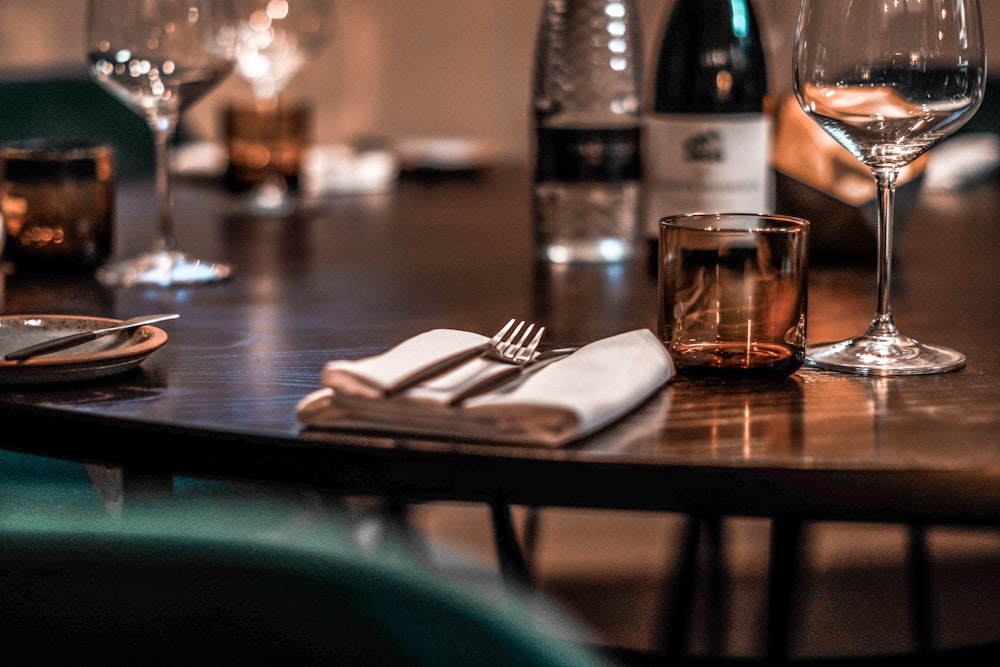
<point x="71" y="106"/>
<point x="237" y="583"/>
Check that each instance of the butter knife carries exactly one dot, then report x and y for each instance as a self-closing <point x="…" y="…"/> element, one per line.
<point x="72" y="340"/>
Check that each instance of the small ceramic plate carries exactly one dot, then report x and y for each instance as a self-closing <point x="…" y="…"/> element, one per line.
<point x="108" y="355"/>
<point x="444" y="154"/>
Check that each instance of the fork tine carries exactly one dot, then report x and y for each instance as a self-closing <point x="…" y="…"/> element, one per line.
<point x="503" y="346"/>
<point x="511" y="352"/>
<point x="526" y="353"/>
<point x="498" y="336"/>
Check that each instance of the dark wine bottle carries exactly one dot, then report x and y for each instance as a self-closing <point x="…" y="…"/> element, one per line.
<point x="707" y="137"/>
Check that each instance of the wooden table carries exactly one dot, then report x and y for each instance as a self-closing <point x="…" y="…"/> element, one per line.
<point x="352" y="275"/>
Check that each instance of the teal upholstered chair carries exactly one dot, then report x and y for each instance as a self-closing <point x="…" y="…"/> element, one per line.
<point x="71" y="106"/>
<point x="30" y="478"/>
<point x="199" y="582"/>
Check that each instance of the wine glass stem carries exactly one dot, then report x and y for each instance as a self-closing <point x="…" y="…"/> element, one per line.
<point x="273" y="175"/>
<point x="885" y="186"/>
<point x="164" y="197"/>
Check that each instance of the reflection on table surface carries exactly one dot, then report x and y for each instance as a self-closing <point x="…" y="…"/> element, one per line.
<point x="349" y="276"/>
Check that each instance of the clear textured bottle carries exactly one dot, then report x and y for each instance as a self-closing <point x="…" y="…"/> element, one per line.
<point x="587" y="106"/>
<point x="707" y="136"/>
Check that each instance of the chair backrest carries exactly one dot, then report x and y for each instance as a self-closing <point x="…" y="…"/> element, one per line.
<point x="71" y="106"/>
<point x="218" y="585"/>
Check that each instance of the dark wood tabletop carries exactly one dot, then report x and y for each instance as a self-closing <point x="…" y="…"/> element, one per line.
<point x="352" y="275"/>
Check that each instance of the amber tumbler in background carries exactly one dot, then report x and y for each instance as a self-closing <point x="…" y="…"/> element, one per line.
<point x="732" y="294"/>
<point x="58" y="203"/>
<point x="265" y="148"/>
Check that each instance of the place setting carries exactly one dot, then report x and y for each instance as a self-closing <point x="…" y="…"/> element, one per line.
<point x="452" y="383"/>
<point x="46" y="349"/>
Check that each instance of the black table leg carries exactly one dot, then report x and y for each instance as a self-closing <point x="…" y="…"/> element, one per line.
<point x="513" y="565"/>
<point x="700" y="561"/>
<point x="786" y="534"/>
<point x="921" y="591"/>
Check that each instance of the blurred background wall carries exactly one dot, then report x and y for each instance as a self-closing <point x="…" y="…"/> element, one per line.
<point x="398" y="68"/>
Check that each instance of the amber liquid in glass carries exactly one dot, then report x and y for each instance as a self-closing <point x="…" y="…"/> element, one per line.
<point x="734" y="360"/>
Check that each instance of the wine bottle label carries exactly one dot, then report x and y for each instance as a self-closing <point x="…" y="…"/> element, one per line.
<point x="706" y="164"/>
<point x="606" y="155"/>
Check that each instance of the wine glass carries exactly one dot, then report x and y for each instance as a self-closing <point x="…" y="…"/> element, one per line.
<point x="158" y="57"/>
<point x="275" y="40"/>
<point x="888" y="80"/>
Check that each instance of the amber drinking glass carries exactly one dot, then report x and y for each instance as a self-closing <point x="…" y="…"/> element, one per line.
<point x="732" y="294"/>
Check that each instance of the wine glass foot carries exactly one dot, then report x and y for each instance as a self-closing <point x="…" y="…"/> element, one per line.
<point x="164" y="268"/>
<point x="884" y="355"/>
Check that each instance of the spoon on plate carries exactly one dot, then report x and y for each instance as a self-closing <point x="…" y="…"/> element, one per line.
<point x="73" y="340"/>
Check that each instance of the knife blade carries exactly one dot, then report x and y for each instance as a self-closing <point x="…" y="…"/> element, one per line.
<point x="72" y="340"/>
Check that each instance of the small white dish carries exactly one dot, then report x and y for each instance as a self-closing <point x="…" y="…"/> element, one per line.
<point x="444" y="153"/>
<point x="109" y="355"/>
<point x="332" y="169"/>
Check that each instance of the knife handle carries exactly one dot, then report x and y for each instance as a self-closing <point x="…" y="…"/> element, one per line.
<point x="50" y="346"/>
<point x="435" y="369"/>
<point x="490" y="383"/>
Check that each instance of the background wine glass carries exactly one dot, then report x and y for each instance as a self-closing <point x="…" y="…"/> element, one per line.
<point x="276" y="39"/>
<point x="158" y="57"/>
<point x="888" y="81"/>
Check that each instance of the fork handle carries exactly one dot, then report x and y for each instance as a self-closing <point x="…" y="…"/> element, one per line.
<point x="507" y="376"/>
<point x="435" y="369"/>
<point x="487" y="384"/>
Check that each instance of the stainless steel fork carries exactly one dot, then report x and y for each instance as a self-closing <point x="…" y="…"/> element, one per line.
<point x="516" y="353"/>
<point x="527" y="361"/>
<point x="501" y="347"/>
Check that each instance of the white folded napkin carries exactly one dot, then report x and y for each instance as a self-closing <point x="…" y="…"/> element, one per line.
<point x="550" y="406"/>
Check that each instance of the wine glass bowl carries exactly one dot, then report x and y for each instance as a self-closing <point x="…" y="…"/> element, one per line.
<point x="275" y="40"/>
<point x="888" y="81"/>
<point x="158" y="57"/>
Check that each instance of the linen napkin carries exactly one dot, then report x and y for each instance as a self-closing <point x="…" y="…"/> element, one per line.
<point x="557" y="403"/>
